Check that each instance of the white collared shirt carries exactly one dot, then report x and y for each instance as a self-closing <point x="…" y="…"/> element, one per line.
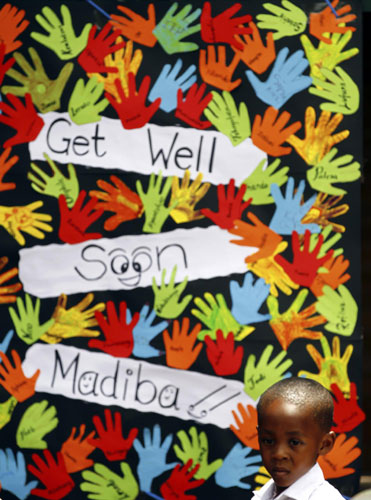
<point x="311" y="486"/>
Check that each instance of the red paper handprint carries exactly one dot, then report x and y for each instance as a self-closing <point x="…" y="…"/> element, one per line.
<point x="222" y="28"/>
<point x="180" y="481"/>
<point x="270" y="133"/>
<point x="23" y="118"/>
<point x="111" y="440"/>
<point x="74" y="222"/>
<point x="75" y="450"/>
<point x="191" y="108"/>
<point x="53" y="474"/>
<point x="305" y="264"/>
<point x="132" y="109"/>
<point x="4" y="66"/>
<point x="92" y="57"/>
<point x="231" y="205"/>
<point x="14" y="380"/>
<point x="347" y="414"/>
<point x="224" y="358"/>
<point x="119" y="334"/>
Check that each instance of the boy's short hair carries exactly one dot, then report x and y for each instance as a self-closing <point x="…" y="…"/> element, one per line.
<point x="302" y="392"/>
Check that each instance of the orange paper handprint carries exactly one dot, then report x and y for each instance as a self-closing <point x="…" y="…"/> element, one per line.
<point x="246" y="425"/>
<point x="135" y="27"/>
<point x="76" y="449"/>
<point x="13" y="379"/>
<point x="332" y="274"/>
<point x="254" y="53"/>
<point x="7" y="292"/>
<point x="344" y="452"/>
<point x="181" y="351"/>
<point x="325" y="22"/>
<point x="270" y="133"/>
<point x="215" y="71"/>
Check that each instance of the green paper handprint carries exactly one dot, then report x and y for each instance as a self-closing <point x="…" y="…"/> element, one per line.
<point x="153" y="201"/>
<point x="36" y="422"/>
<point x="83" y="106"/>
<point x="222" y="112"/>
<point x="167" y="302"/>
<point x="61" y="36"/>
<point x="259" y="377"/>
<point x="327" y="244"/>
<point x="339" y="88"/>
<point x="215" y="315"/>
<point x="45" y="93"/>
<point x="196" y="448"/>
<point x="327" y="55"/>
<point x="174" y="27"/>
<point x="56" y="184"/>
<point x="288" y="20"/>
<point x="331" y="171"/>
<point x="339" y="308"/>
<point x="26" y="322"/>
<point x="332" y="369"/>
<point x="6" y="411"/>
<point x="258" y="184"/>
<point x="104" y="484"/>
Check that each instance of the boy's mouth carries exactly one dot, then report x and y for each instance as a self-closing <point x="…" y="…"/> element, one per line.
<point x="280" y="472"/>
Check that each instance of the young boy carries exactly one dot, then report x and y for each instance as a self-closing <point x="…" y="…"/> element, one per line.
<point x="294" y="428"/>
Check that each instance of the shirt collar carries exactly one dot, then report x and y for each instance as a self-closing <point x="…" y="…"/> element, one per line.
<point x="300" y="490"/>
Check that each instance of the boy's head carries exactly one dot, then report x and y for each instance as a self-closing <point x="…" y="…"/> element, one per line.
<point x="294" y="428"/>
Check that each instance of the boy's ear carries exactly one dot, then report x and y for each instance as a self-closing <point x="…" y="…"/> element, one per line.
<point x="327" y="443"/>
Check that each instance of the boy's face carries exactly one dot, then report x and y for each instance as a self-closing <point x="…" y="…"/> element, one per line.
<point x="290" y="441"/>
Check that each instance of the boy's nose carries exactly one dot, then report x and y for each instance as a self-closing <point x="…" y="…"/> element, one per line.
<point x="280" y="452"/>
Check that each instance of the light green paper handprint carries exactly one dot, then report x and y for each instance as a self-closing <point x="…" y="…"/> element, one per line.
<point x="222" y="112"/>
<point x="327" y="244"/>
<point x="326" y="55"/>
<point x="153" y="200"/>
<point x="196" y="448"/>
<point x="331" y="171"/>
<point x="61" y="37"/>
<point x="332" y="369"/>
<point x="339" y="88"/>
<point x="214" y="313"/>
<point x="339" y="308"/>
<point x="27" y="322"/>
<point x="37" y="421"/>
<point x="56" y="184"/>
<point x="6" y="411"/>
<point x="288" y="20"/>
<point x="259" y="377"/>
<point x="167" y="303"/>
<point x="258" y="184"/>
<point x="104" y="484"/>
<point x="45" y="93"/>
<point x="174" y="27"/>
<point x="83" y="106"/>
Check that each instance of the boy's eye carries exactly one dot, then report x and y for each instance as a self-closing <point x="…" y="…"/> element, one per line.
<point x="295" y="442"/>
<point x="266" y="441"/>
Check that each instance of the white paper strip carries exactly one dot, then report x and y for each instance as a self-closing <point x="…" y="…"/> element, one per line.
<point x="128" y="383"/>
<point x="146" y="150"/>
<point x="128" y="262"/>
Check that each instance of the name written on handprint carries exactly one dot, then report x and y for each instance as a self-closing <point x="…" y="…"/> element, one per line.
<point x="295" y="24"/>
<point x="321" y="174"/>
<point x="67" y="47"/>
<point x="118" y="490"/>
<point x="254" y="380"/>
<point x="343" y="323"/>
<point x="345" y="96"/>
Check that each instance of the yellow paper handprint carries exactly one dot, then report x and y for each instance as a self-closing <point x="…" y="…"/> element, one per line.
<point x="324" y="209"/>
<point x="73" y="322"/>
<point x="333" y="369"/>
<point x="318" y="139"/>
<point x="24" y="218"/>
<point x="126" y="63"/>
<point x="187" y="195"/>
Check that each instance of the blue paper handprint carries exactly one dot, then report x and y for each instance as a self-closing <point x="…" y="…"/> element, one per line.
<point x="174" y="27"/>
<point x="144" y="332"/>
<point x="168" y="83"/>
<point x="247" y="299"/>
<point x="237" y="465"/>
<point x="152" y="456"/>
<point x="290" y="210"/>
<point x="4" y="344"/>
<point x="285" y="79"/>
<point x="13" y="474"/>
